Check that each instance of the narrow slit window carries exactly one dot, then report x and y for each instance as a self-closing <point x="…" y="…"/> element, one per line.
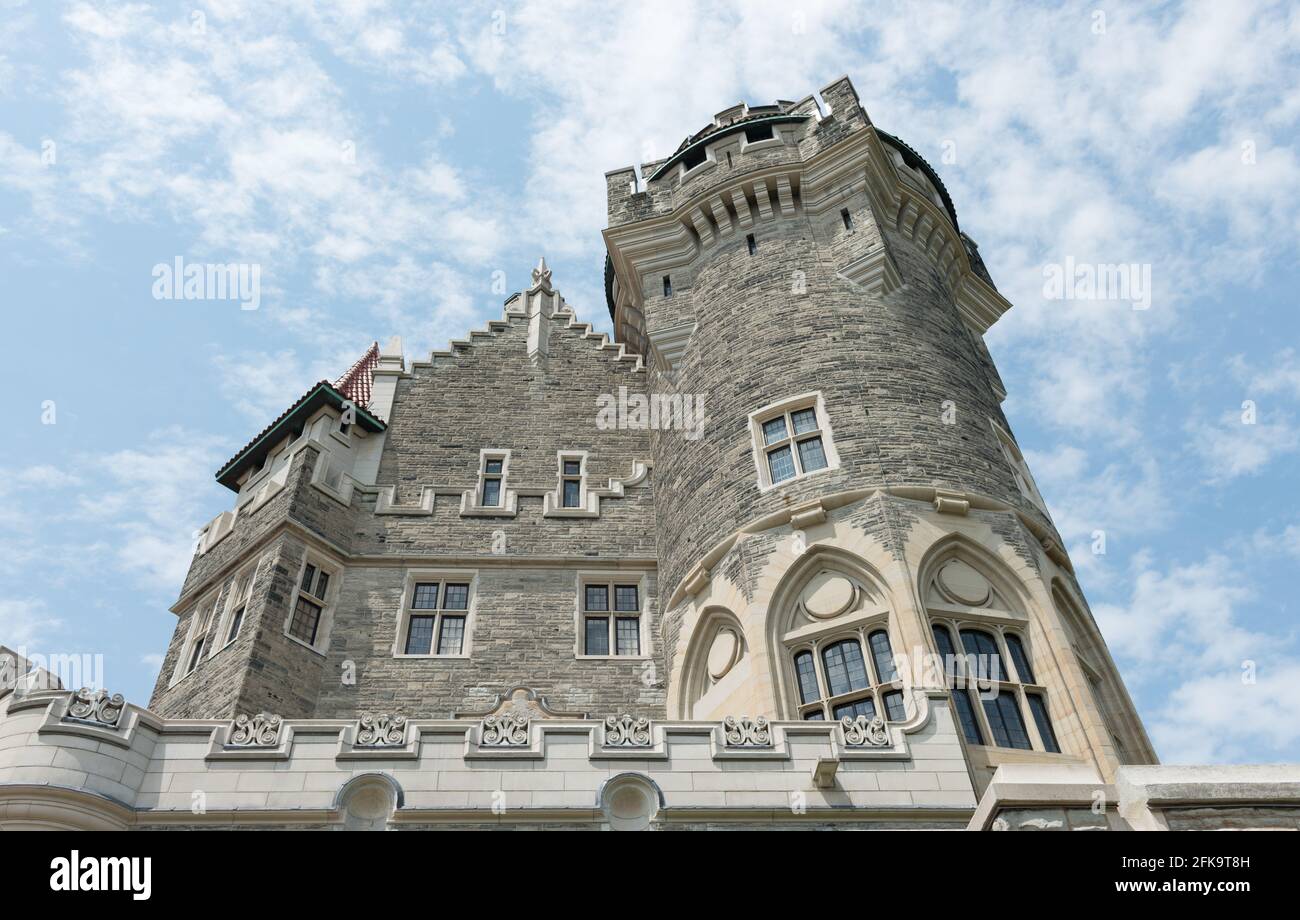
<point x="753" y="246"/>
<point x="847" y="218"/>
<point x="668" y="286"/>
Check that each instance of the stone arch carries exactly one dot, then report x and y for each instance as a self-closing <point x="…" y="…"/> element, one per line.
<point x="368" y="802"/>
<point x="716" y="657"/>
<point x="1108" y="694"/>
<point x="825" y="585"/>
<point x="947" y="574"/>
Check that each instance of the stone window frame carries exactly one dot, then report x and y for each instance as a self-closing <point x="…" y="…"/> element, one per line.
<point x="1019" y="468"/>
<point x="816" y="638"/>
<point x="588" y="503"/>
<point x="327" y="604"/>
<point x="443" y="577"/>
<point x="611" y="579"/>
<point x="814" y="400"/>
<point x="182" y="668"/>
<point x="233" y="597"/>
<point x="471" y="501"/>
<point x="1010" y="682"/>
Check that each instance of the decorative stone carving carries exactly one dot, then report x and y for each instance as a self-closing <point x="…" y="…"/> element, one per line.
<point x="96" y="706"/>
<point x="963" y="584"/>
<point x="742" y="731"/>
<point x="381" y="730"/>
<point x="519" y="700"/>
<point x="627" y="731"/>
<point x="262" y="730"/>
<point x="828" y="596"/>
<point x="723" y="653"/>
<point x="865" y="732"/>
<point x="508" y="729"/>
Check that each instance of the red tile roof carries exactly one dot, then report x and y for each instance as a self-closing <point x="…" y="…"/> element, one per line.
<point x="355" y="384"/>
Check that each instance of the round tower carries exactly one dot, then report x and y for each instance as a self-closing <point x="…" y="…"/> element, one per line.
<point x="802" y="276"/>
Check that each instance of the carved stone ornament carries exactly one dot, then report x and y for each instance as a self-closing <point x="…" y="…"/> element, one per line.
<point x="627" y="731"/>
<point x="742" y="731"/>
<point x="381" y="730"/>
<point x="863" y="732"/>
<point x="262" y="730"/>
<point x="96" y="706"/>
<point x="508" y="729"/>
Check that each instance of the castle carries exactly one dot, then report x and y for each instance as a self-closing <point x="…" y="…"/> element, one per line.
<point x="770" y="555"/>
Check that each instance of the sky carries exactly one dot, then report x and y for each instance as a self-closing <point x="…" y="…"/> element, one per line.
<point x="385" y="165"/>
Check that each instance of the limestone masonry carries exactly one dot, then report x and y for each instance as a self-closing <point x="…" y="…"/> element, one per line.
<point x="770" y="556"/>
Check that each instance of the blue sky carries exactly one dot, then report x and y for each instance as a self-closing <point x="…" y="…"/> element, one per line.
<point x="382" y="161"/>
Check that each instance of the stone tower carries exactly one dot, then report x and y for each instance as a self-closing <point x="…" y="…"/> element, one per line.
<point x="803" y="273"/>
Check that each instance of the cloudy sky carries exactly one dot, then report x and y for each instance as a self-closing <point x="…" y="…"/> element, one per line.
<point x="381" y="162"/>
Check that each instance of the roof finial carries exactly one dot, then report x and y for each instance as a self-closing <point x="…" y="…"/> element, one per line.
<point x="541" y="276"/>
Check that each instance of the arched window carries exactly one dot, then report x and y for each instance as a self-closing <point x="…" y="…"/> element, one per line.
<point x="970" y="726"/>
<point x="837" y="680"/>
<point x="1009" y="697"/>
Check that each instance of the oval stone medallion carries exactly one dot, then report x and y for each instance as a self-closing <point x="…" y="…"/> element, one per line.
<point x="722" y="653"/>
<point x="963" y="584"/>
<point x="828" y="595"/>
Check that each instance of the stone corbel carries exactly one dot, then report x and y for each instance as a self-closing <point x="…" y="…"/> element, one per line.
<point x="948" y="502"/>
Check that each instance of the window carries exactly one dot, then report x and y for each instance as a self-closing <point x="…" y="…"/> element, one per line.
<point x="196" y="640"/>
<point x="1019" y="468"/>
<point x="694" y="157"/>
<point x="434" y="615"/>
<point x="307" y="618"/>
<point x="753" y="246"/>
<point x="960" y="694"/>
<point x="611" y="618"/>
<point x="1006" y="696"/>
<point x="847" y="218"/>
<point x="792" y="440"/>
<point x="1038" y="706"/>
<point x="490" y="486"/>
<point x="668" y="286"/>
<point x="756" y="133"/>
<point x="834" y="679"/>
<point x="571" y="491"/>
<point x="238" y="603"/>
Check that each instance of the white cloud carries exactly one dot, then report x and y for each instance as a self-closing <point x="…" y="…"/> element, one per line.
<point x="1232" y="448"/>
<point x="25" y="622"/>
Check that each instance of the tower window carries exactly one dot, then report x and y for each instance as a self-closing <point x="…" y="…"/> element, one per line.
<point x="1008" y="698"/>
<point x="834" y="679"/>
<point x="611" y="618"/>
<point x="668" y="286"/>
<point x="694" y="157"/>
<point x="756" y="133"/>
<point x="792" y="440"/>
<point x="435" y="615"/>
<point x="847" y="218"/>
<point x="753" y="246"/>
